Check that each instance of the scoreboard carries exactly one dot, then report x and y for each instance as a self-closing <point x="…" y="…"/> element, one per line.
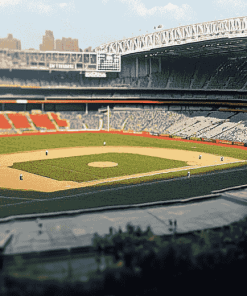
<point x="60" y="61"/>
<point x="108" y="62"/>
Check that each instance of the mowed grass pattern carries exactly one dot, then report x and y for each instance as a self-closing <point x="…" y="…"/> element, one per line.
<point x="77" y="169"/>
<point x="30" y="143"/>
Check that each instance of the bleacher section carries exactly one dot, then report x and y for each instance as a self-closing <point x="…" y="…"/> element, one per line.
<point x="4" y="123"/>
<point x="74" y="119"/>
<point x="239" y="117"/>
<point x="237" y="134"/>
<point x="80" y="120"/>
<point x="117" y="119"/>
<point x="231" y="126"/>
<point x="91" y="120"/>
<point x="59" y="122"/>
<point x="181" y="123"/>
<point x="19" y="121"/>
<point x="42" y="121"/>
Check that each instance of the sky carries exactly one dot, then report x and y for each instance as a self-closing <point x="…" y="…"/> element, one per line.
<point x="96" y="22"/>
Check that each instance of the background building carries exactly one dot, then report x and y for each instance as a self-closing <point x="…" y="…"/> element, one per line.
<point x="10" y="42"/>
<point x="64" y="44"/>
<point x="48" y="41"/>
<point x="88" y="49"/>
<point x="67" y="44"/>
<point x="58" y="45"/>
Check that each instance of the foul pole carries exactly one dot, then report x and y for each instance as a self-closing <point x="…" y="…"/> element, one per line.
<point x="108" y="118"/>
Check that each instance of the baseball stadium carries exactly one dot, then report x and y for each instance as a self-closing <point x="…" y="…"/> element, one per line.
<point x="150" y="130"/>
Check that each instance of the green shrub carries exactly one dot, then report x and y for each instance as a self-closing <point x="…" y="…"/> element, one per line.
<point x="150" y="262"/>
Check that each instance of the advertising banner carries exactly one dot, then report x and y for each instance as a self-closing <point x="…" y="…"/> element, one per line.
<point x="95" y="74"/>
<point x="61" y="66"/>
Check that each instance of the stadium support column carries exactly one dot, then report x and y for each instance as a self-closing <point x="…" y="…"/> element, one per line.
<point x="42" y="107"/>
<point x="159" y="65"/>
<point x="86" y="108"/>
<point x="150" y="66"/>
<point x="2" y="106"/>
<point x="137" y="67"/>
<point x="80" y="78"/>
<point x="108" y="109"/>
<point x="146" y="66"/>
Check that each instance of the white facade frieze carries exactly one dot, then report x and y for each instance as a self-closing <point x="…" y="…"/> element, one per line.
<point x="228" y="28"/>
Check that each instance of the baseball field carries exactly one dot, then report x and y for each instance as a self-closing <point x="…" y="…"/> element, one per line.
<point x="58" y="170"/>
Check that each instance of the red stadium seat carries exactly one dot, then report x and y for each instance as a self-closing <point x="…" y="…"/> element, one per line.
<point x="42" y="120"/>
<point x="60" y="122"/>
<point x="4" y="124"/>
<point x="19" y="120"/>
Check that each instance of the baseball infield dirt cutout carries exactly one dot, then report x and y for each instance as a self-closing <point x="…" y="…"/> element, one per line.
<point x="10" y="178"/>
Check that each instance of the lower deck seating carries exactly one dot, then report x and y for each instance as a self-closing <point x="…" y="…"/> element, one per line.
<point x="76" y="119"/>
<point x="4" y="124"/>
<point x="91" y="120"/>
<point x="214" y="125"/>
<point x="19" y="121"/>
<point x="7" y="131"/>
<point x="42" y="121"/>
<point x="59" y="122"/>
<point x="117" y="119"/>
<point x="206" y="124"/>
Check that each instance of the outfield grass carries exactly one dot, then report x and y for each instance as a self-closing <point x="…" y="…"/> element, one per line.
<point x="29" y="143"/>
<point x="76" y="168"/>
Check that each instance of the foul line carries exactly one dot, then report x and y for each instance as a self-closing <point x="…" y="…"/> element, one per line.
<point x="160" y="173"/>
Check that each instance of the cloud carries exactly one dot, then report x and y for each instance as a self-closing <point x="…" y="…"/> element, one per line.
<point x="232" y="6"/>
<point x="9" y="2"/>
<point x="172" y="11"/>
<point x="63" y="5"/>
<point x="40" y="7"/>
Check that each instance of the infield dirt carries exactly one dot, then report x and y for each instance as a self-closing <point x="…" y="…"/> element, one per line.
<point x="10" y="178"/>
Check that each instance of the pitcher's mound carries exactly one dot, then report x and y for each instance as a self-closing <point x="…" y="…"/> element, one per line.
<point x="103" y="164"/>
